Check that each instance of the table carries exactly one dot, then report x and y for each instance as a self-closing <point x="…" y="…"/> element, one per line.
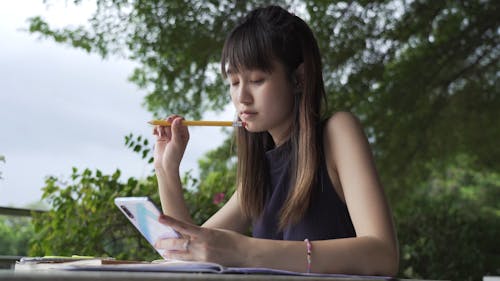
<point x="57" y="275"/>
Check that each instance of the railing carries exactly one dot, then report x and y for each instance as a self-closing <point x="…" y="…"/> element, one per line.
<point x="7" y="262"/>
<point x="18" y="212"/>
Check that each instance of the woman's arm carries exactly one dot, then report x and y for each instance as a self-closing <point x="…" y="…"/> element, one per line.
<point x="169" y="149"/>
<point x="373" y="252"/>
<point x="349" y="153"/>
<point x="170" y="146"/>
<point x="360" y="255"/>
<point x="230" y="217"/>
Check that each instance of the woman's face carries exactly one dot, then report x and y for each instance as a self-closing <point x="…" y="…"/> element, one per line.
<point x="264" y="100"/>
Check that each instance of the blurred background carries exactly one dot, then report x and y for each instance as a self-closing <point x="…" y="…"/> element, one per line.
<point x="80" y="78"/>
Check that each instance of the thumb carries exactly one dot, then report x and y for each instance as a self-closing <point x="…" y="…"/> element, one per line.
<point x="180" y="226"/>
<point x="179" y="131"/>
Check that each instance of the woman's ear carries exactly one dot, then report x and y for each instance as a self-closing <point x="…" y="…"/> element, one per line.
<point x="299" y="76"/>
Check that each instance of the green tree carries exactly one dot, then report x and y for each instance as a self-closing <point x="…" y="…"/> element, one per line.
<point x="421" y="75"/>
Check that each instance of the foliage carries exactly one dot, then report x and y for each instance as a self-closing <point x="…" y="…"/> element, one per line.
<point x="440" y="240"/>
<point x="421" y="75"/>
<point x="449" y="230"/>
<point x="140" y="145"/>
<point x="15" y="233"/>
<point x="83" y="219"/>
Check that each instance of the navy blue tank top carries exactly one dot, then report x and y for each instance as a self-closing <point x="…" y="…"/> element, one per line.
<point x="326" y="218"/>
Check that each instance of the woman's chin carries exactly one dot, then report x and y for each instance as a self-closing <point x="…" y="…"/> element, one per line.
<point x="253" y="129"/>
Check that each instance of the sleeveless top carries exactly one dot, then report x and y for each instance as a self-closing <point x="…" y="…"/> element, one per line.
<point x="326" y="218"/>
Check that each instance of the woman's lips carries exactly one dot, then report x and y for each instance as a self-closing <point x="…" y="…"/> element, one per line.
<point x="245" y="115"/>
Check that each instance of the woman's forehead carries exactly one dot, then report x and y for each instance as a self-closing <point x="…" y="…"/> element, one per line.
<point x="241" y="69"/>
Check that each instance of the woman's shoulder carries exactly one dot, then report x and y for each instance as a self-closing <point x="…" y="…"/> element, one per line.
<point x="343" y="132"/>
<point x="340" y="122"/>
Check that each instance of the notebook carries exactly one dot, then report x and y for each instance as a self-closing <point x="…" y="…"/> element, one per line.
<point x="206" y="267"/>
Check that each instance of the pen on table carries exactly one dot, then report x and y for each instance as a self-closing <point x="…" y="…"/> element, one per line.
<point x="200" y="123"/>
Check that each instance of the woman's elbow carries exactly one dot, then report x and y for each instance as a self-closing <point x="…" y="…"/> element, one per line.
<point x="391" y="262"/>
<point x="385" y="260"/>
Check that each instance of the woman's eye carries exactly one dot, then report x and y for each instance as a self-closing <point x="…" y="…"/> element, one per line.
<point x="235" y="83"/>
<point x="257" y="81"/>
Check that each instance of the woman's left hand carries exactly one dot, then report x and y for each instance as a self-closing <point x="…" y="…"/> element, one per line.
<point x="203" y="244"/>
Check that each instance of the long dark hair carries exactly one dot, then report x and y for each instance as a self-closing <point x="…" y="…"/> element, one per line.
<point x="266" y="35"/>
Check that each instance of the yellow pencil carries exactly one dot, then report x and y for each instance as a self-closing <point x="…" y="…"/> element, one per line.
<point x="200" y="123"/>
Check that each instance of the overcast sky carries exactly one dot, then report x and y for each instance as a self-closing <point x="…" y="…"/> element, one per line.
<point x="62" y="108"/>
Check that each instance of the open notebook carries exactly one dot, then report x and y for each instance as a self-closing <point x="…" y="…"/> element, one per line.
<point x="110" y="264"/>
<point x="203" y="267"/>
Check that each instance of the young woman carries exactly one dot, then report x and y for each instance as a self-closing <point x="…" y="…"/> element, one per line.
<point x="308" y="187"/>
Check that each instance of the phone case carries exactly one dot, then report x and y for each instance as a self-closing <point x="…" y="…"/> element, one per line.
<point x="143" y="214"/>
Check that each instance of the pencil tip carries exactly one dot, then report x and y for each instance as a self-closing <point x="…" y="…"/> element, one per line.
<point x="150" y="122"/>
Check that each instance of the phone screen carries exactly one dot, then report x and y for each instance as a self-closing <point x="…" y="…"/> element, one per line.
<point x="143" y="214"/>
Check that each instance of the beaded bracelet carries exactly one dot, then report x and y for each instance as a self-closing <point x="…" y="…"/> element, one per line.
<point x="309" y="253"/>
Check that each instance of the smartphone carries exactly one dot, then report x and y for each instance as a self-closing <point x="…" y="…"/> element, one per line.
<point x="144" y="214"/>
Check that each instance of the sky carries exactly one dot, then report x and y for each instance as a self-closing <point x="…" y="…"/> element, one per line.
<point x="61" y="107"/>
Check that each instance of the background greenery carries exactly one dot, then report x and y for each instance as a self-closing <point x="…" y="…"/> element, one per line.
<point x="421" y="75"/>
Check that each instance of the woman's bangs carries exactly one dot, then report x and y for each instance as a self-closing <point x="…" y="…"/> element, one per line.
<point x="246" y="49"/>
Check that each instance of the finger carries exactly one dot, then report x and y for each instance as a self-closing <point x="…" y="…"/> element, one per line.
<point x="167" y="130"/>
<point x="172" y="117"/>
<point x="175" y="127"/>
<point x="157" y="131"/>
<point x="179" y="131"/>
<point x="172" y="244"/>
<point x="161" y="138"/>
<point x="180" y="226"/>
<point x="177" y="255"/>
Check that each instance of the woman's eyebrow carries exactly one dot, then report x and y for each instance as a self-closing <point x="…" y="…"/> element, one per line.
<point x="230" y="70"/>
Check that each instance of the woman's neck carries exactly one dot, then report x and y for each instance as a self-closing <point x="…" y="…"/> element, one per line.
<point x="281" y="138"/>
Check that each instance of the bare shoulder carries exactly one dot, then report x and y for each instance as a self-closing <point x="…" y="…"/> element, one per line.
<point x="344" y="138"/>
<point x="343" y="124"/>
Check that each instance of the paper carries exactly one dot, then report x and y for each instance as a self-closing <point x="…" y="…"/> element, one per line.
<point x="207" y="267"/>
<point x="50" y="263"/>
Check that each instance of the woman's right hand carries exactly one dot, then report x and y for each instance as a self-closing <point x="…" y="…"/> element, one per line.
<point x="171" y="142"/>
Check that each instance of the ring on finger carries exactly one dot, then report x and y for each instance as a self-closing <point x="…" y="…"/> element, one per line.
<point x="186" y="244"/>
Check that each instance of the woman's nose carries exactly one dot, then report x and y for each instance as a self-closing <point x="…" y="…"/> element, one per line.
<point x="244" y="96"/>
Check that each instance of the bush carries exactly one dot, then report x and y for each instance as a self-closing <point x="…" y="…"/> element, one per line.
<point x="440" y="241"/>
<point x="450" y="228"/>
<point x="15" y="234"/>
<point x="83" y="219"/>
